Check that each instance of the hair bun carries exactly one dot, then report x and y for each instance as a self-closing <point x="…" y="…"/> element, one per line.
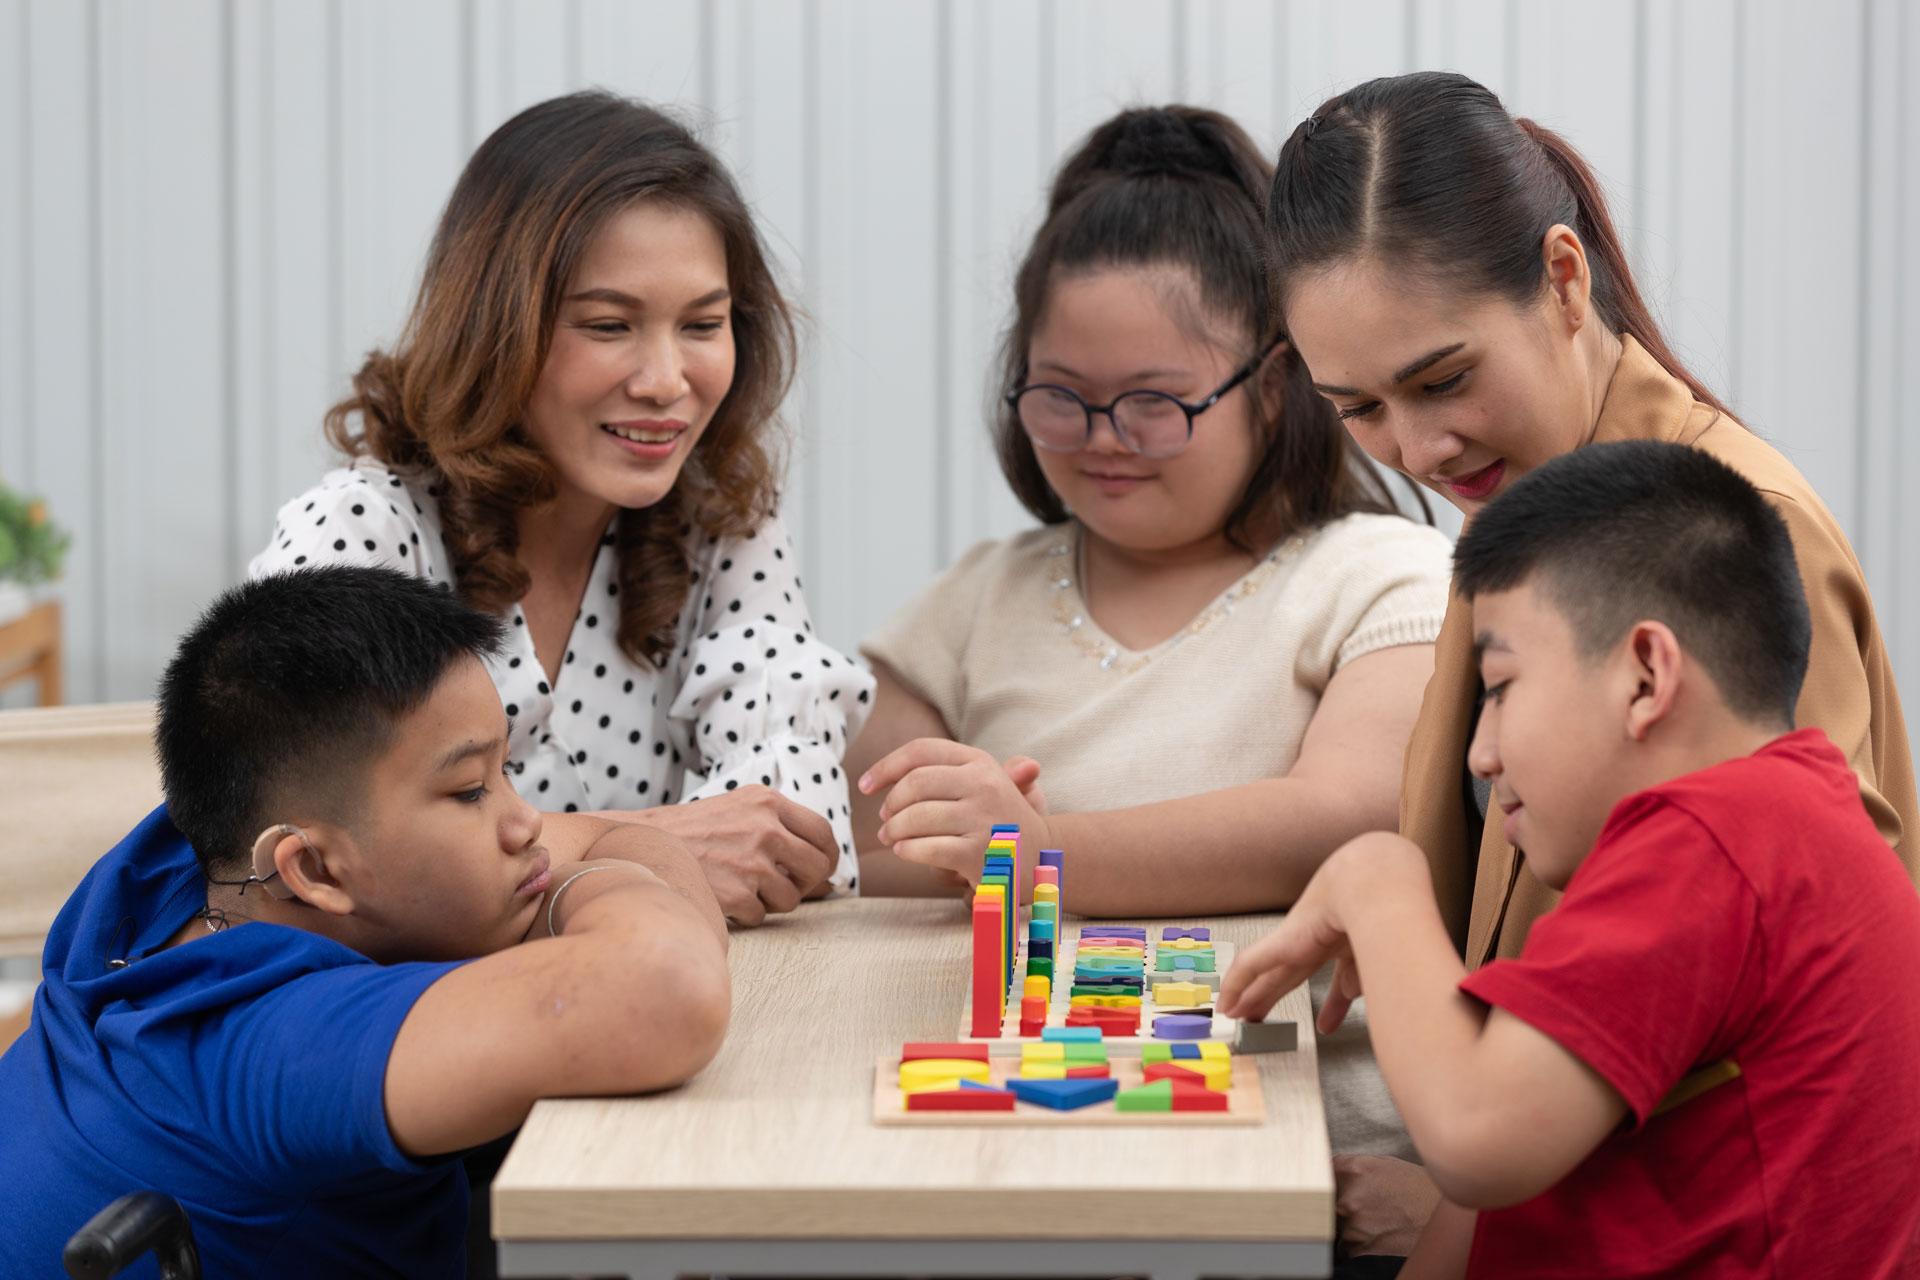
<point x="1163" y="140"/>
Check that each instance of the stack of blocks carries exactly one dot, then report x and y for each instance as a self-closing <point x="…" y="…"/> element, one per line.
<point x="1042" y="932"/>
<point x="996" y="912"/>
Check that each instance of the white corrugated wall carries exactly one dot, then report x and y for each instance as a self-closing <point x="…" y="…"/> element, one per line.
<point x="209" y="209"/>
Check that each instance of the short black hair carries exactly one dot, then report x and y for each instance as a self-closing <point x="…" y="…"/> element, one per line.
<point x="1617" y="533"/>
<point x="288" y="686"/>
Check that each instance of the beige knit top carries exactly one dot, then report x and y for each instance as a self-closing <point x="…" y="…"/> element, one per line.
<point x="1002" y="645"/>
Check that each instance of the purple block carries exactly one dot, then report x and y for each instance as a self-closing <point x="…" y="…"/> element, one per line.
<point x="1113" y="931"/>
<point x="1172" y="934"/>
<point x="1181" y="1026"/>
<point x="1052" y="858"/>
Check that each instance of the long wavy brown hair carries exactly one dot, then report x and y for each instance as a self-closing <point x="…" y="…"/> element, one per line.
<point x="449" y="400"/>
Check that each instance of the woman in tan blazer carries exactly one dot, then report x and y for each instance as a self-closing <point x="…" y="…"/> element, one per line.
<point x="1453" y="280"/>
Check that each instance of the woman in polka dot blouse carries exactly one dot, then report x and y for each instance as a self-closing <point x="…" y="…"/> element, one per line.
<point x="578" y="432"/>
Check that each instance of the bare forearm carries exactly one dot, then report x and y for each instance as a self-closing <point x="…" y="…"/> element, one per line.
<point x="1247" y="848"/>
<point x="668" y="858"/>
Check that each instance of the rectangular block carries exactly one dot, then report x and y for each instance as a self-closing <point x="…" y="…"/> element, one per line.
<point x="1045" y="1051"/>
<point x="1174" y="995"/>
<point x="1188" y="1097"/>
<point x="989" y="987"/>
<point x="915" y="1051"/>
<point x="961" y="1100"/>
<point x="1157" y="1096"/>
<point x="940" y="1073"/>
<point x="1080" y="1052"/>
<point x="1210" y="1075"/>
<point x="1073" y="1035"/>
<point x="1173" y="934"/>
<point x="1114" y="931"/>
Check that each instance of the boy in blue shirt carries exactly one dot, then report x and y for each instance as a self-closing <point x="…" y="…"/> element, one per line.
<point x="1706" y="1060"/>
<point x="342" y="953"/>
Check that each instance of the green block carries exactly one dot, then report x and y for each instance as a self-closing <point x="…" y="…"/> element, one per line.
<point x="1040" y="969"/>
<point x="1153" y="1052"/>
<point x="1104" y="991"/>
<point x="1088" y="1051"/>
<point x="1046" y="911"/>
<point x="1157" y="1096"/>
<point x="1186" y="962"/>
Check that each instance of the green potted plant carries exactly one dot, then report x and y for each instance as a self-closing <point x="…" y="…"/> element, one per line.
<point x="31" y="550"/>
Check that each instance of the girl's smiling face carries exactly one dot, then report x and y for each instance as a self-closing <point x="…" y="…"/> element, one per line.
<point x="1114" y="330"/>
<point x="641" y="357"/>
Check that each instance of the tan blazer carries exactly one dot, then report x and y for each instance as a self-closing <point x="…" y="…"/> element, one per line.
<point x="1488" y="897"/>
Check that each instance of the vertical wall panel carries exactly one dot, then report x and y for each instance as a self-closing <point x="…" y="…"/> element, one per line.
<point x="16" y="246"/>
<point x="1797" y="376"/>
<point x="1877" y="483"/>
<point x="1901" y="613"/>
<point x="400" y="147"/>
<point x="654" y="49"/>
<point x="163" y="429"/>
<point x="65" y="413"/>
<point x="877" y="363"/>
<point x="766" y="105"/>
<point x="1108" y="54"/>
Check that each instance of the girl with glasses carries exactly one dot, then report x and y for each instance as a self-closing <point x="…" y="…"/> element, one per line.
<point x="1198" y="675"/>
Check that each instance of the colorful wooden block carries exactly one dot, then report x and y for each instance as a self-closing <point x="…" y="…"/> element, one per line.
<point x="1174" y="995"/>
<point x="961" y="1100"/>
<point x="1180" y="1026"/>
<point x="1073" y="1035"/>
<point x="1036" y="985"/>
<point x="1084" y="1052"/>
<point x="1174" y="934"/>
<point x="1185" y="944"/>
<point x="989" y="988"/>
<point x="1211" y="1075"/>
<point x="1064" y="1071"/>
<point x="1044" y="1051"/>
<point x="1192" y="1097"/>
<point x="918" y="1050"/>
<point x="940" y="1073"/>
<point x="1064" y="1095"/>
<point x="1157" y="1096"/>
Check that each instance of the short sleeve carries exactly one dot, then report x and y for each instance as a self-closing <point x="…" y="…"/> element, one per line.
<point x="1369" y="582"/>
<point x="925" y="643"/>
<point x="305" y="1100"/>
<point x="768" y="701"/>
<point x="1647" y="959"/>
<point x="359" y="515"/>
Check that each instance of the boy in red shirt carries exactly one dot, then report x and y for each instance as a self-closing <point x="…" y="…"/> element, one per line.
<point x="1706" y="1060"/>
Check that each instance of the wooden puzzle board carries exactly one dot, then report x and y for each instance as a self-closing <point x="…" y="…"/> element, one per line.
<point x="1067" y="954"/>
<point x="1245" y="1105"/>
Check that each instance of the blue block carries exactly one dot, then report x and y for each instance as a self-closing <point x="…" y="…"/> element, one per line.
<point x="1038" y="928"/>
<point x="1006" y="828"/>
<point x="1039" y="949"/>
<point x="1080" y="1035"/>
<point x="1064" y="1095"/>
<point x="1185" y="1052"/>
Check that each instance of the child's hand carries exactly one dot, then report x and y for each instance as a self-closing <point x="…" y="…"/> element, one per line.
<point x="946" y="798"/>
<point x="1289" y="955"/>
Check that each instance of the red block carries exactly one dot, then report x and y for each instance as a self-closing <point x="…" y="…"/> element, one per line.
<point x="989" y="995"/>
<point x="1190" y="1096"/>
<point x="1088" y="1071"/>
<point x="1177" y="1072"/>
<point x="1032" y="1026"/>
<point x="914" y="1052"/>
<point x="961" y="1100"/>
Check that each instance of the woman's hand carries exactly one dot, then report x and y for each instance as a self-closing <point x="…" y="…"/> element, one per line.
<point x="1382" y="1204"/>
<point x="761" y="852"/>
<point x="946" y="798"/>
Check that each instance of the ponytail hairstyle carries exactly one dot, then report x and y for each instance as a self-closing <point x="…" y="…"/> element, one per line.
<point x="1181" y="187"/>
<point x="449" y="400"/>
<point x="1429" y="169"/>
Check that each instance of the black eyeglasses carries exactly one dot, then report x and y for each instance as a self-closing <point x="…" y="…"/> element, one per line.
<point x="1151" y="423"/>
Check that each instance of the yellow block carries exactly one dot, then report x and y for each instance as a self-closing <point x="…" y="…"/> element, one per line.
<point x="1046" y="1051"/>
<point x="1215" y="1074"/>
<point x="1046" y="893"/>
<point x="1182" y="995"/>
<point x="1124" y="953"/>
<point x="1105" y="1002"/>
<point x="994" y="891"/>
<point x="1186" y="944"/>
<point x="1037" y="984"/>
<point x="940" y="1073"/>
<point x="1212" y="1051"/>
<point x="1043" y="1070"/>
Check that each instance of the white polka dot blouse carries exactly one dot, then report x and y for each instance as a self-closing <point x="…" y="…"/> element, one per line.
<point x="750" y="695"/>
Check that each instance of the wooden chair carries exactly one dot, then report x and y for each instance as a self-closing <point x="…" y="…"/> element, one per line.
<point x="30" y="650"/>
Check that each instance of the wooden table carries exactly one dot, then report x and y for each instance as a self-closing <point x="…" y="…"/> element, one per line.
<point x="769" y="1162"/>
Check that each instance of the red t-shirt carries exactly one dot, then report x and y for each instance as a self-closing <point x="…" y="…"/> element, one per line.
<point x="1749" y="911"/>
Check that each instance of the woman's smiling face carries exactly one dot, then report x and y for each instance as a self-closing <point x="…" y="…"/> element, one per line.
<point x="1114" y="330"/>
<point x="1463" y="394"/>
<point x="641" y="357"/>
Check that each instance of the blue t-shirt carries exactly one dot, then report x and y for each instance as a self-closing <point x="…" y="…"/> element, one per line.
<point x="242" y="1073"/>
